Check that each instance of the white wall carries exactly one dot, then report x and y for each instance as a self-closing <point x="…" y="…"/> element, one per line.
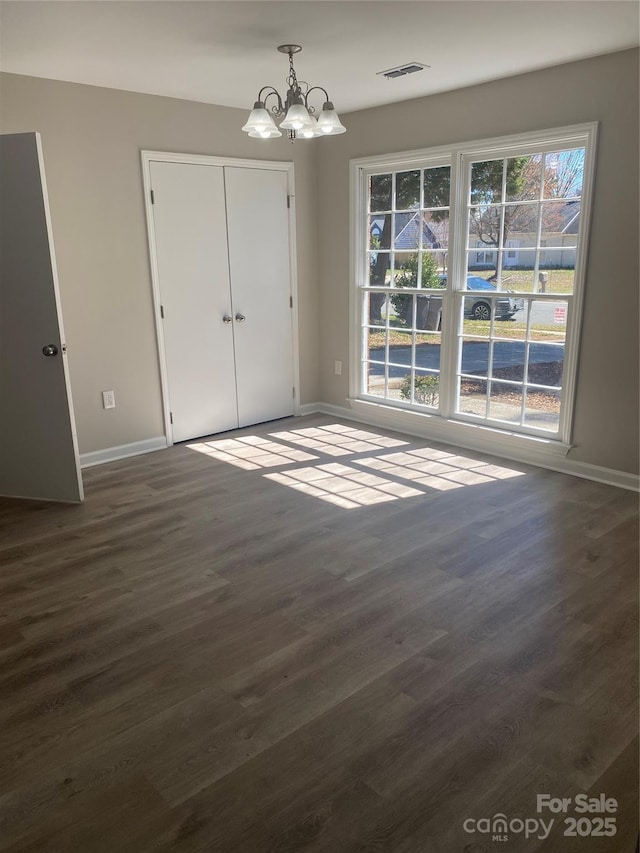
<point x="92" y="138"/>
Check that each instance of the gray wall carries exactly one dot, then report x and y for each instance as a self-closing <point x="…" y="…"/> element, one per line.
<point x="91" y="139"/>
<point x="604" y="89"/>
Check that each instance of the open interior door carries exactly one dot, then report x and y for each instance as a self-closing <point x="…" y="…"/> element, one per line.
<point x="38" y="445"/>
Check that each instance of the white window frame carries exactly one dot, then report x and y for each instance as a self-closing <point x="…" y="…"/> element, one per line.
<point x="447" y="424"/>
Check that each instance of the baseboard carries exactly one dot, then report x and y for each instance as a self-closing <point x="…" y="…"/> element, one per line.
<point x="122" y="451"/>
<point x="538" y="456"/>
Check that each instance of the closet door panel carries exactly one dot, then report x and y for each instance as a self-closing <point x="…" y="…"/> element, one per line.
<point x="193" y="272"/>
<point x="258" y="233"/>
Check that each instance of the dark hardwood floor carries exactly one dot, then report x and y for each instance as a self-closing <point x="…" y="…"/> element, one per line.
<point x="341" y="640"/>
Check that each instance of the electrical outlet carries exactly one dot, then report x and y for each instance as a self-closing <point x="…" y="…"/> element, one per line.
<point x="338" y="368"/>
<point x="108" y="399"/>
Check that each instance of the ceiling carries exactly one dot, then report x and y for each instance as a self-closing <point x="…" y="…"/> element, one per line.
<point x="223" y="52"/>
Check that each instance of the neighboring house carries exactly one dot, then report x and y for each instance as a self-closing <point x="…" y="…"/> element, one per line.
<point x="435" y="235"/>
<point x="559" y="231"/>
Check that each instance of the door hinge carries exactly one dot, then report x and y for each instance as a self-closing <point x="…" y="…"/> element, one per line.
<point x="171" y="416"/>
<point x="293" y="390"/>
<point x="288" y="201"/>
<point x="162" y="311"/>
<point x="153" y="198"/>
<point x="291" y="302"/>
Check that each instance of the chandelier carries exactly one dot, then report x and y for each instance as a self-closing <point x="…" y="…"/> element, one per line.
<point x="299" y="116"/>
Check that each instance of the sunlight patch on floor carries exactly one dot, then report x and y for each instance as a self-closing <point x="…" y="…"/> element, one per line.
<point x="349" y="486"/>
<point x="251" y="452"/>
<point x="337" y="439"/>
<point x="438" y="469"/>
<point x="343" y="486"/>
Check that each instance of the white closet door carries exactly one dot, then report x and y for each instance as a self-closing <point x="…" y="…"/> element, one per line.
<point x="193" y="273"/>
<point x="258" y="231"/>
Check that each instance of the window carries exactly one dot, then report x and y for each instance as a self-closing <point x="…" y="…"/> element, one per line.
<point x="408" y="241"/>
<point x="512" y="254"/>
<point x="468" y="273"/>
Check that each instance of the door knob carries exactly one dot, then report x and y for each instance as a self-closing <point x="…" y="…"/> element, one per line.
<point x="240" y="318"/>
<point x="227" y="319"/>
<point x="50" y="350"/>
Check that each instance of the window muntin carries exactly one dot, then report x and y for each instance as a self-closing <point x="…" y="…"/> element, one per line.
<point x="520" y="379"/>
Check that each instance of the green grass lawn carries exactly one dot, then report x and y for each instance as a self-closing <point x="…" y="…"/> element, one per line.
<point x="479" y="328"/>
<point x="559" y="281"/>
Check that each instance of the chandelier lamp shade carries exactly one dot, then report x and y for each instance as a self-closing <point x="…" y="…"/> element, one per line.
<point x="298" y="117"/>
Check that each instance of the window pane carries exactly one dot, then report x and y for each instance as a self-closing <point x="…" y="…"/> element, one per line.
<point x="375" y="343"/>
<point x="375" y="308"/>
<point x="401" y="311"/>
<point x="486" y="182"/>
<point x="380" y="231"/>
<point x="560" y="280"/>
<point x="473" y="397"/>
<point x="379" y="268"/>
<point x="505" y="402"/>
<point x="435" y="229"/>
<point x="548" y="321"/>
<point x="406" y="269"/>
<point x="429" y="312"/>
<point x="545" y="364"/>
<point x="560" y="219"/>
<point x="508" y="360"/>
<point x="564" y="173"/>
<point x="375" y="379"/>
<point x="407" y="190"/>
<point x="433" y="270"/>
<point x="426" y="388"/>
<point x="518" y="273"/>
<point x="475" y="357"/>
<point x="438" y="275"/>
<point x="406" y="231"/>
<point x="428" y="351"/>
<point x="542" y="409"/>
<point x="437" y="186"/>
<point x="379" y="193"/>
<point x="514" y="329"/>
<point x="479" y="306"/>
<point x="400" y="347"/>
<point x="482" y="265"/>
<point x="521" y="224"/>
<point x="523" y="177"/>
<point x="484" y="227"/>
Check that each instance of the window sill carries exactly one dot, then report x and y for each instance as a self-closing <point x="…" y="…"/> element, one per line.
<point x="510" y="445"/>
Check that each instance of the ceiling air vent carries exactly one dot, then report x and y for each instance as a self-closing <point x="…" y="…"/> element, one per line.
<point x="401" y="70"/>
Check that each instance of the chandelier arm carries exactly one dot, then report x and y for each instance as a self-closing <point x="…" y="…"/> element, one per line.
<point x="313" y="88"/>
<point x="272" y="92"/>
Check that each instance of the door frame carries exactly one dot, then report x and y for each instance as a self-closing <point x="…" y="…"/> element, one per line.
<point x="204" y="160"/>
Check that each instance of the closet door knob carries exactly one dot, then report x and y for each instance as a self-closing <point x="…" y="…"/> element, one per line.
<point x="240" y="318"/>
<point x="227" y="319"/>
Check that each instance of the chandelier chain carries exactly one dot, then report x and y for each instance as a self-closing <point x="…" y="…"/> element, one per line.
<point x="292" y="80"/>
